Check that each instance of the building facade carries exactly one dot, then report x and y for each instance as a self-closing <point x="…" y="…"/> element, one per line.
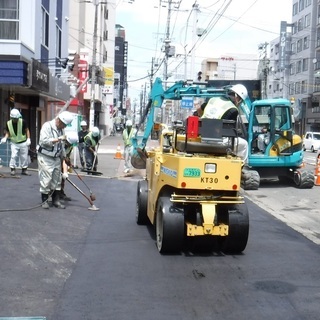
<point x="33" y="41"/>
<point x="92" y="37"/>
<point x="294" y="71"/>
<point x="47" y="51"/>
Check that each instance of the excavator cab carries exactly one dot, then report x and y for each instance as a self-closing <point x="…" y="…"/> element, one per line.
<point x="274" y="149"/>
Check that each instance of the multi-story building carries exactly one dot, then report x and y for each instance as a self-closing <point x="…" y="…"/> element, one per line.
<point x="36" y="39"/>
<point x="92" y="37"/>
<point x="33" y="44"/>
<point x="295" y="64"/>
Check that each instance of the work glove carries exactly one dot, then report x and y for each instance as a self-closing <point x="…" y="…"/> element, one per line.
<point x="62" y="138"/>
<point x="3" y="140"/>
<point x="95" y="153"/>
<point x="65" y="176"/>
<point x="28" y="142"/>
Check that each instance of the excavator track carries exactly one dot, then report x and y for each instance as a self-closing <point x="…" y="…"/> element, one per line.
<point x="303" y="179"/>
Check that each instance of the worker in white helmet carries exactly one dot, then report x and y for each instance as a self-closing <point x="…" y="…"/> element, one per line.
<point x="50" y="153"/>
<point x="91" y="142"/>
<point x="81" y="134"/>
<point x="18" y="132"/>
<point x="127" y="136"/>
<point x="227" y="107"/>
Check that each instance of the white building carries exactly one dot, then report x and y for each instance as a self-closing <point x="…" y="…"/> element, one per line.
<point x="33" y="41"/>
<point x="296" y="77"/>
<point x="91" y="35"/>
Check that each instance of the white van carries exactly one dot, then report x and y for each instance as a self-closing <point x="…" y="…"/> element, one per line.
<point x="311" y="141"/>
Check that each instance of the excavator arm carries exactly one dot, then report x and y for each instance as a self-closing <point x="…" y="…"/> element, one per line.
<point x="157" y="95"/>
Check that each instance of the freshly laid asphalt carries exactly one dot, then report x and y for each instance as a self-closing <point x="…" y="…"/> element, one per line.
<point x="39" y="247"/>
<point x="82" y="264"/>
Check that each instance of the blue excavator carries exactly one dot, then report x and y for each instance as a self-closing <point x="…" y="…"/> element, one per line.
<point x="274" y="149"/>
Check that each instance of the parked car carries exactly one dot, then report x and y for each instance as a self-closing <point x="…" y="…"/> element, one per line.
<point x="311" y="141"/>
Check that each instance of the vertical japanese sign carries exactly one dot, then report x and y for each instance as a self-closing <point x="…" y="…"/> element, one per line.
<point x="83" y="74"/>
<point x="282" y="45"/>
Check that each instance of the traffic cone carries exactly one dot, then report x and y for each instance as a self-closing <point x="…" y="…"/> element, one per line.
<point x="118" y="154"/>
<point x="317" y="173"/>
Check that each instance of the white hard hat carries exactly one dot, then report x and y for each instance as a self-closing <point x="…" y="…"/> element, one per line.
<point x="240" y="90"/>
<point x="15" y="114"/>
<point x="72" y="137"/>
<point x="128" y="123"/>
<point x="83" y="123"/>
<point x="66" y="117"/>
<point x="95" y="131"/>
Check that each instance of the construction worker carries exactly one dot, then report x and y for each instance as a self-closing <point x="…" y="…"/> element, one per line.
<point x="18" y="133"/>
<point x="263" y="139"/>
<point x="71" y="140"/>
<point x="81" y="134"/>
<point x="127" y="135"/>
<point x="227" y="108"/>
<point x="200" y="109"/>
<point x="220" y="108"/>
<point x="91" y="141"/>
<point x="50" y="152"/>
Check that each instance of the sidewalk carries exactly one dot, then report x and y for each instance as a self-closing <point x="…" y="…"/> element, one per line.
<point x="110" y="167"/>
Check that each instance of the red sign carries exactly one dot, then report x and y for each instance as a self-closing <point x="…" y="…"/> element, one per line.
<point x="83" y="74"/>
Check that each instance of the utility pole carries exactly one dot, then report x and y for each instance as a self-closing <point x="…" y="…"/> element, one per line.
<point x="151" y="75"/>
<point x="195" y="9"/>
<point x="94" y="65"/>
<point x="167" y="42"/>
<point x="265" y="68"/>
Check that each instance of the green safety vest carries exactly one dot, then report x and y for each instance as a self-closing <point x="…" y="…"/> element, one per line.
<point x="127" y="137"/>
<point x="19" y="136"/>
<point x="217" y="107"/>
<point x="89" y="136"/>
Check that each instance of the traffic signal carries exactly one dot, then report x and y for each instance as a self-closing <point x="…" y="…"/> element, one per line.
<point x="71" y="58"/>
<point x="199" y="75"/>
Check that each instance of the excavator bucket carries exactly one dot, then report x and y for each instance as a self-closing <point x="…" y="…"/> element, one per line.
<point x="139" y="158"/>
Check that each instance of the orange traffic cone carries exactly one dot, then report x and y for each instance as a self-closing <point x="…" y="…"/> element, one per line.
<point x="118" y="154"/>
<point x="317" y="174"/>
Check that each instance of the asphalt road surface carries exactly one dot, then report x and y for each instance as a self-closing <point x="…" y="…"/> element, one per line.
<point x="81" y="264"/>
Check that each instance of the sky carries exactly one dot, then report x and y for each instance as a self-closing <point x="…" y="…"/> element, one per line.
<point x="231" y="27"/>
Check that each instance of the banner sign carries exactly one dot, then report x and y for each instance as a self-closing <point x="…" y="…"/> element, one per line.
<point x="282" y="46"/>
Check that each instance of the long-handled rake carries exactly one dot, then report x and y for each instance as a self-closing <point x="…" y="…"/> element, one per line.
<point x="92" y="196"/>
<point x="93" y="207"/>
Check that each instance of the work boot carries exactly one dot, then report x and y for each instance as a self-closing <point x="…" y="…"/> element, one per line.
<point x="64" y="197"/>
<point x="13" y="171"/>
<point x="24" y="172"/>
<point x="44" y="198"/>
<point x="56" y="200"/>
